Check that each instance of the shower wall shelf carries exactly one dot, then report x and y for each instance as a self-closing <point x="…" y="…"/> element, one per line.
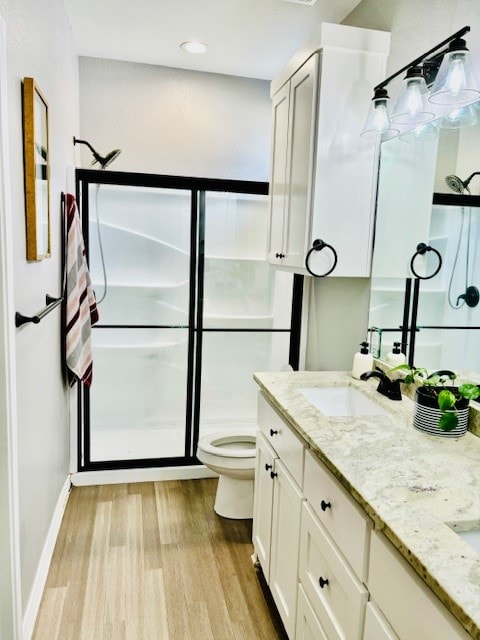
<point x="51" y="303"/>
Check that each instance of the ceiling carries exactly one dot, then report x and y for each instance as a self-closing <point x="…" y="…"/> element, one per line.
<point x="252" y="38"/>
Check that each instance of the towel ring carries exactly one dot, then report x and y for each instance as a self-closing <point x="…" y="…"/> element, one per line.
<point x="318" y="245"/>
<point x="422" y="249"/>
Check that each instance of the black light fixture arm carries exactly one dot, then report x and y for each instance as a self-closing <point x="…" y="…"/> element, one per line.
<point x="421" y="58"/>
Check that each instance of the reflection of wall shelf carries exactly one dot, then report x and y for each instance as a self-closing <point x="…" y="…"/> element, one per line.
<point x="237" y="321"/>
<point x="138" y="234"/>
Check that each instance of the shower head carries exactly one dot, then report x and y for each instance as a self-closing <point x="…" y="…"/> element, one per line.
<point x="103" y="161"/>
<point x="458" y="185"/>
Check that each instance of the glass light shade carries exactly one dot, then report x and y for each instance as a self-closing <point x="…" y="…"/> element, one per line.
<point x="420" y="133"/>
<point x="194" y="46"/>
<point x="377" y="125"/>
<point x="411" y="107"/>
<point x="459" y="118"/>
<point x="455" y="82"/>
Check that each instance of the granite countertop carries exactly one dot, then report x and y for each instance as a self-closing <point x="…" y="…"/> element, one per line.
<point x="411" y="484"/>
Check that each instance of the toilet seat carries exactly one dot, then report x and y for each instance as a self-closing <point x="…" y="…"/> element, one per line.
<point x="223" y="443"/>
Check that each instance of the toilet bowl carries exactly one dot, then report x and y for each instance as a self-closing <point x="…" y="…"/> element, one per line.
<point x="231" y="454"/>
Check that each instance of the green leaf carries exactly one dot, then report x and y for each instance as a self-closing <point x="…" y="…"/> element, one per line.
<point x="446" y="400"/>
<point x="431" y="382"/>
<point x="469" y="391"/>
<point x="409" y="378"/>
<point x="448" y="421"/>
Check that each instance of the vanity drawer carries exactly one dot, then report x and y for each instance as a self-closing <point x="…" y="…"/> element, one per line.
<point x="343" y="518"/>
<point x="412" y="609"/>
<point x="376" y="625"/>
<point x="281" y="437"/>
<point x="336" y="594"/>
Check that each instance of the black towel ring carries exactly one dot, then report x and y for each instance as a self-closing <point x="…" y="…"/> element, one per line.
<point x="318" y="245"/>
<point x="422" y="249"/>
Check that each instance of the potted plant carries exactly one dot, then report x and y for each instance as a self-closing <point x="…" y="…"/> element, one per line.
<point x="440" y="408"/>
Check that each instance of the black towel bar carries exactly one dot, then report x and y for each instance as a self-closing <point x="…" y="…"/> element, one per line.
<point x="51" y="303"/>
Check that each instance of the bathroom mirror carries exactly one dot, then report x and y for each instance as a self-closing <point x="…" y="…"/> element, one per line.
<point x="36" y="163"/>
<point x="447" y="331"/>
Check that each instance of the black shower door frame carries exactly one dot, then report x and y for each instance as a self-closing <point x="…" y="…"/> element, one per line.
<point x="197" y="188"/>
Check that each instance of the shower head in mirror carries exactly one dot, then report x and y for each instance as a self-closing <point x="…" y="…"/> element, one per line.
<point x="458" y="185"/>
<point x="103" y="161"/>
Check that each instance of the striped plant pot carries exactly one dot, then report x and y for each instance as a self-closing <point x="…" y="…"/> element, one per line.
<point x="426" y="416"/>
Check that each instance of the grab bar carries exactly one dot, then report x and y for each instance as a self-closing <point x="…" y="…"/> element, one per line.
<point x="51" y="303"/>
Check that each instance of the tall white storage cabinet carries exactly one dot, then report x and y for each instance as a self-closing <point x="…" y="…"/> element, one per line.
<point x="323" y="174"/>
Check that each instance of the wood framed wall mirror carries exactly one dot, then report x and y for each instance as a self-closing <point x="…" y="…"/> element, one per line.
<point x="37" y="171"/>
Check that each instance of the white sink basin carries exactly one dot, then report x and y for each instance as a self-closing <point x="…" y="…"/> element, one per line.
<point x="341" y="401"/>
<point x="471" y="537"/>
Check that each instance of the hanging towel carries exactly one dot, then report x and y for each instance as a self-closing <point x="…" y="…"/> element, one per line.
<point x="81" y="311"/>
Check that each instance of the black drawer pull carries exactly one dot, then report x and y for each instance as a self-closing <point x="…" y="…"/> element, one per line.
<point x="322" y="582"/>
<point x="268" y="466"/>
<point x="273" y="474"/>
<point x="325" y="505"/>
<point x="273" y="432"/>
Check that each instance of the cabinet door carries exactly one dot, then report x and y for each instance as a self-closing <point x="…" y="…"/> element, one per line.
<point x="287" y="503"/>
<point x="300" y="161"/>
<point x="376" y="625"/>
<point x="263" y="503"/>
<point x="411" y="608"/>
<point x="280" y="109"/>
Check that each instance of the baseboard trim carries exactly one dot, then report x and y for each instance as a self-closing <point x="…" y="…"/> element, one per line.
<point x="31" y="610"/>
<point x="151" y="474"/>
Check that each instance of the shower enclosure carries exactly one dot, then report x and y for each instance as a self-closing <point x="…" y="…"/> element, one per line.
<point x="436" y="325"/>
<point x="189" y="309"/>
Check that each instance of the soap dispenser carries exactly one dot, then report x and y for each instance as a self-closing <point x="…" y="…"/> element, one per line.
<point x="395" y="356"/>
<point x="362" y="361"/>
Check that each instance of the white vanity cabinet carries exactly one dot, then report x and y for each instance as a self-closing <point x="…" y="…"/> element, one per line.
<point x="323" y="174"/>
<point x="277" y="509"/>
<point x="411" y="608"/>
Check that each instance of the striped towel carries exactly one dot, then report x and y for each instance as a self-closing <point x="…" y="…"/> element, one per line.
<point x="82" y="310"/>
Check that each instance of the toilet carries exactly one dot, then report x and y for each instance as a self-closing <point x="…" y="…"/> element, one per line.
<point x="231" y="454"/>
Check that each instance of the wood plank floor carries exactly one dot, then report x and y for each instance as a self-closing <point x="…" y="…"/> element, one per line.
<point x="152" y="561"/>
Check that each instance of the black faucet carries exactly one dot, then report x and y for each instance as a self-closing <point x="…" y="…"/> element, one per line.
<point x="387" y="387"/>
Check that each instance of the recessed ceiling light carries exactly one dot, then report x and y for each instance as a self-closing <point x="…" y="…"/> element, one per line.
<point x="194" y="46"/>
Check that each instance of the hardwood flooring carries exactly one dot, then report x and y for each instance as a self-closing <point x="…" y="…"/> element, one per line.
<point x="152" y="561"/>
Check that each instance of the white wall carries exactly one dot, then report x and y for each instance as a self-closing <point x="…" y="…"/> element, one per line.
<point x="39" y="44"/>
<point x="173" y="121"/>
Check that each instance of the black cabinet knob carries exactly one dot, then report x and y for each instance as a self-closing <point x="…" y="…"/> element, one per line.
<point x="273" y="474"/>
<point x="322" y="582"/>
<point x="268" y="466"/>
<point x="273" y="432"/>
<point x="325" y="505"/>
<point x="279" y="255"/>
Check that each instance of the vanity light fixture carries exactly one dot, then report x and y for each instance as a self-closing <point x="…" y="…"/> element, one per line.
<point x="447" y="67"/>
<point x="377" y="124"/>
<point x="411" y="106"/>
<point x="455" y="82"/>
<point x="194" y="46"/>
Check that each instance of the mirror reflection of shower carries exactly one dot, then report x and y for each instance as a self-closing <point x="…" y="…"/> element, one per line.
<point x="471" y="295"/>
<point x="103" y="161"/>
<point x="458" y="185"/>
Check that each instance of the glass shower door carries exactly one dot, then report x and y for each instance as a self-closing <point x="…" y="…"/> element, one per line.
<point x="245" y="309"/>
<point x="139" y="252"/>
